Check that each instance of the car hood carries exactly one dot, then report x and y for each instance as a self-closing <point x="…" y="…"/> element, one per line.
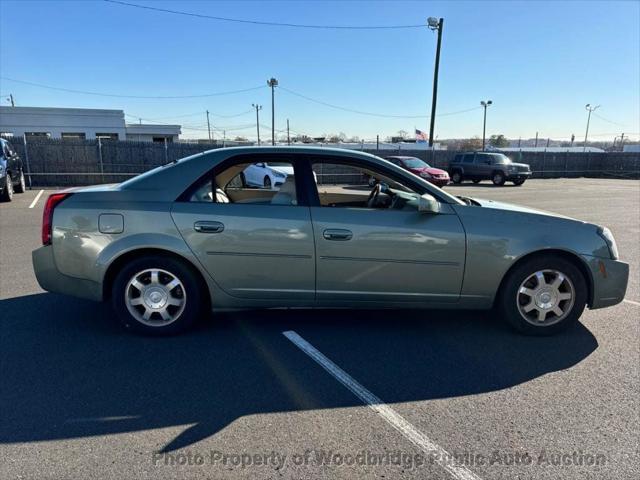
<point x="520" y="164"/>
<point x="429" y="170"/>
<point x="518" y="208"/>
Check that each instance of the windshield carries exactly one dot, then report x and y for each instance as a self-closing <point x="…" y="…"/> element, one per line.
<point x="414" y="163"/>
<point x="500" y="158"/>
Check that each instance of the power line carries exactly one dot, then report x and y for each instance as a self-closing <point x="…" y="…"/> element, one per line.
<point x="372" y="114"/>
<point x="271" y="24"/>
<point x="100" y="94"/>
<point x="607" y="120"/>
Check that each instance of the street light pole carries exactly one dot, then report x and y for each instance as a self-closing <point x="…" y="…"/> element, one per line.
<point x="589" y="109"/>
<point x="273" y="83"/>
<point x="208" y="125"/>
<point x="258" y="108"/>
<point x="484" y="123"/>
<point x="435" y="24"/>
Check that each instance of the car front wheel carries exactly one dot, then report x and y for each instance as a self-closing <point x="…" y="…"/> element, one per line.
<point x="543" y="296"/>
<point x="7" y="191"/>
<point x="157" y="295"/>
<point x="21" y="187"/>
<point x="518" y="182"/>
<point x="267" y="183"/>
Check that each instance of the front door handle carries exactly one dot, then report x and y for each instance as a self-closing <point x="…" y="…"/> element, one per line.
<point x="337" y="234"/>
<point x="208" y="227"/>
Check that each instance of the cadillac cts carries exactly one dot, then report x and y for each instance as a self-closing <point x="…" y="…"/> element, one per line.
<point x="168" y="245"/>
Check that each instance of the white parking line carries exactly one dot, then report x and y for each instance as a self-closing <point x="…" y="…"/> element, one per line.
<point x="35" y="200"/>
<point x="632" y="302"/>
<point x="433" y="451"/>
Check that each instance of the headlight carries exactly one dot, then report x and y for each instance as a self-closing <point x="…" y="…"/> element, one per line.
<point x="425" y="174"/>
<point x="607" y="236"/>
<point x="279" y="175"/>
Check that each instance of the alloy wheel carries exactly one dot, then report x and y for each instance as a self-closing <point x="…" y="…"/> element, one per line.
<point x="545" y="297"/>
<point x="155" y="297"/>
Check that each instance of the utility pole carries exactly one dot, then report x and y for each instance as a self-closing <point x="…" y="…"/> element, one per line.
<point x="288" y="137"/>
<point x="548" y="139"/>
<point x="13" y="104"/>
<point x="484" y="124"/>
<point x="258" y="108"/>
<point x="519" y="141"/>
<point x="224" y="138"/>
<point x="589" y="109"/>
<point x="208" y="125"/>
<point x="535" y="145"/>
<point x="435" y="24"/>
<point x="573" y="138"/>
<point x="273" y="83"/>
<point x="622" y="142"/>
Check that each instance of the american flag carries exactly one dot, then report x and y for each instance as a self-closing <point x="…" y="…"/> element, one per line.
<point x="420" y="136"/>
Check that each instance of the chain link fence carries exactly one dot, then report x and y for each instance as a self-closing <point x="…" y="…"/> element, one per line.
<point x="57" y="162"/>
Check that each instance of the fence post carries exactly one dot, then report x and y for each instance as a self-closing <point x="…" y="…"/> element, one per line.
<point x="100" y="159"/>
<point x="166" y="151"/>
<point x="26" y="159"/>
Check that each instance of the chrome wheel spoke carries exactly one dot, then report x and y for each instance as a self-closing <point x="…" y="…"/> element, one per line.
<point x="136" y="301"/>
<point x="147" y="313"/>
<point x="529" y="306"/>
<point x="564" y="296"/>
<point x="557" y="310"/>
<point x="172" y="284"/>
<point x="541" y="281"/>
<point x="164" y="314"/>
<point x="136" y="283"/>
<point x="176" y="302"/>
<point x="154" y="276"/>
<point x="542" y="315"/>
<point x="557" y="281"/>
<point x="527" y="291"/>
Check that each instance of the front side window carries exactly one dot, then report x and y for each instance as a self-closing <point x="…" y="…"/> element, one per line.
<point x="412" y="162"/>
<point x="468" y="158"/>
<point x="258" y="183"/>
<point x="344" y="185"/>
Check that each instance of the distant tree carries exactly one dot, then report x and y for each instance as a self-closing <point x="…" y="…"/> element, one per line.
<point x="403" y="134"/>
<point x="354" y="139"/>
<point x="474" y="143"/>
<point x="498" y="141"/>
<point x="240" y="139"/>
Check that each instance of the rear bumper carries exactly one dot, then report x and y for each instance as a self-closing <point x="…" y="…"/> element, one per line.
<point x="50" y="279"/>
<point x="610" y="279"/>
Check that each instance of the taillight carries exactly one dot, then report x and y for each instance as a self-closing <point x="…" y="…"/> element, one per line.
<point x="47" y="216"/>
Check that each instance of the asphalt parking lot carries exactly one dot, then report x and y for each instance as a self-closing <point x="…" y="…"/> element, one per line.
<point x="80" y="398"/>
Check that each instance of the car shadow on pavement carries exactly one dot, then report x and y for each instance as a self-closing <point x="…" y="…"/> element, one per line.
<point x="69" y="371"/>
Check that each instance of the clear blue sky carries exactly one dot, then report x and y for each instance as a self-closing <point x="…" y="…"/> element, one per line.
<point x="540" y="63"/>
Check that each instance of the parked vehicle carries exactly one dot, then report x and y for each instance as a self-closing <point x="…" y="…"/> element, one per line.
<point x="169" y="244"/>
<point x="421" y="168"/>
<point x="497" y="167"/>
<point x="265" y="175"/>
<point x="11" y="174"/>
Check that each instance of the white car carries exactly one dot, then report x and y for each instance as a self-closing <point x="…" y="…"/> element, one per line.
<point x="266" y="175"/>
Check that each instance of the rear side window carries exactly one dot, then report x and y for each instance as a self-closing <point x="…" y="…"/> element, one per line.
<point x="468" y="158"/>
<point x="484" y="158"/>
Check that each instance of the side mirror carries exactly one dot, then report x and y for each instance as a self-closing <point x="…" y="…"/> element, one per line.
<point x="428" y="204"/>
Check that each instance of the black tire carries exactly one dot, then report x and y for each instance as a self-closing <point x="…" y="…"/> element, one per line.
<point x="7" y="191"/>
<point x="194" y="294"/>
<point x="498" y="178"/>
<point x="519" y="182"/>
<point x="476" y="180"/>
<point x="509" y="296"/>
<point x="456" y="177"/>
<point x="267" y="182"/>
<point x="21" y="187"/>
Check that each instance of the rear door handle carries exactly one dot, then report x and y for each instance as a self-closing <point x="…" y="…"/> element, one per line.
<point x="337" y="234"/>
<point x="208" y="227"/>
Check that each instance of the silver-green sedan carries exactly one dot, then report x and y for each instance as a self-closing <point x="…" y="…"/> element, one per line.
<point x="169" y="245"/>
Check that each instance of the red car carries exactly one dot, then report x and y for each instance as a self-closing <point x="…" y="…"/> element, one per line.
<point x="438" y="177"/>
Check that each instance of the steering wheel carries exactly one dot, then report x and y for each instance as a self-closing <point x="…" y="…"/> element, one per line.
<point x="373" y="196"/>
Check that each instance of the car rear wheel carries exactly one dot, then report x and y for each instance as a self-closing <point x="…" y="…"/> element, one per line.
<point x="157" y="295"/>
<point x="498" y="178"/>
<point x="21" y="187"/>
<point x="7" y="191"/>
<point x="543" y="296"/>
<point x="456" y="177"/>
<point x="518" y="182"/>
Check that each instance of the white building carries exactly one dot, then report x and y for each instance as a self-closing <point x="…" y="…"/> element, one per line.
<point x="80" y="123"/>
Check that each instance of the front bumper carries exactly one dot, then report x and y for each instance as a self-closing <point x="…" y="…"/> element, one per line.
<point x="609" y="278"/>
<point x="438" y="182"/>
<point x="518" y="175"/>
<point x="50" y="278"/>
